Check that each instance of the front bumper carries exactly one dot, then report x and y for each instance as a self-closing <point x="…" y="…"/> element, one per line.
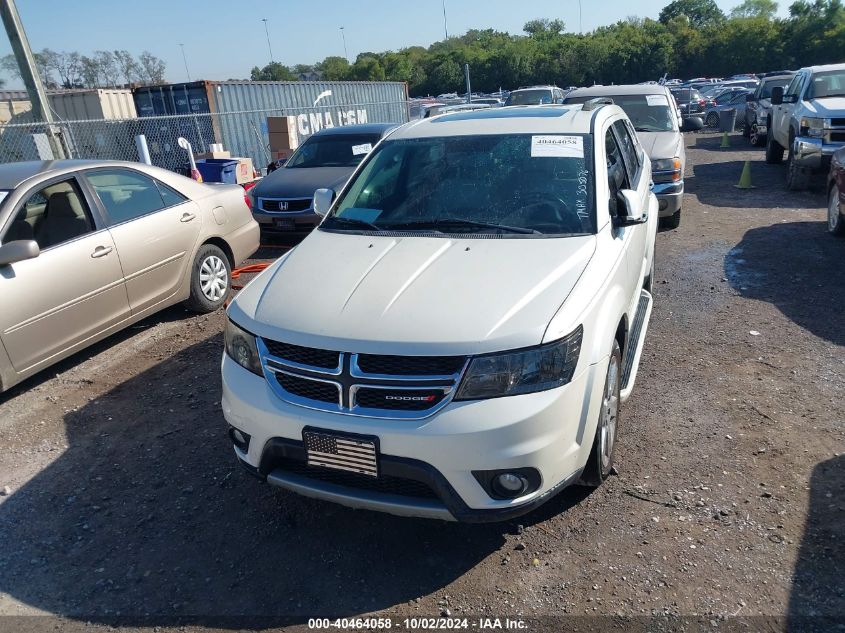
<point x="303" y="221"/>
<point x="669" y="197"/>
<point x="550" y="431"/>
<point x="813" y="153"/>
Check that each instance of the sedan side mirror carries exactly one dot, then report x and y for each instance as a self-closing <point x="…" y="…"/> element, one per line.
<point x="18" y="251"/>
<point x="777" y="95"/>
<point x="630" y="211"/>
<point x="323" y="199"/>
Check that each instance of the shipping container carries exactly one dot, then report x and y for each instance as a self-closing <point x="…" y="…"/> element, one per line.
<point x="70" y="105"/>
<point x="241" y="109"/>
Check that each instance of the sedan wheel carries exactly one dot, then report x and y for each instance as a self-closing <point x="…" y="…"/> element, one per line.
<point x="210" y="277"/>
<point x="214" y="278"/>
<point x="835" y="219"/>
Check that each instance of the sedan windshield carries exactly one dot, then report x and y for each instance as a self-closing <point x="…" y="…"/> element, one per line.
<point x="529" y="97"/>
<point x="648" y="113"/>
<point x="333" y="150"/>
<point x="516" y="185"/>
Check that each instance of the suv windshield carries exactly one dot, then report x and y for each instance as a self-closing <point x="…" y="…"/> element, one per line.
<point x="514" y="184"/>
<point x="827" y="84"/>
<point x="529" y="97"/>
<point x="333" y="150"/>
<point x="648" y="113"/>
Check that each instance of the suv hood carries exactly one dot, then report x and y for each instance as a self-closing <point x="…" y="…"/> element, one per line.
<point x="301" y="182"/>
<point x="413" y="295"/>
<point x="660" y="144"/>
<point x="827" y="107"/>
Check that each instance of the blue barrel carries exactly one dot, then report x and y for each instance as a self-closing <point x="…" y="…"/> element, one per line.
<point x="218" y="170"/>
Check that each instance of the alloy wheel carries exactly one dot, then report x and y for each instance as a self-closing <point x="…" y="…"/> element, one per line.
<point x="609" y="414"/>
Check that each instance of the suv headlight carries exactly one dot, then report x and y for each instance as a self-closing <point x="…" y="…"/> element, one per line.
<point x="526" y="371"/>
<point x="811" y="126"/>
<point x="241" y="348"/>
<point x="666" y="169"/>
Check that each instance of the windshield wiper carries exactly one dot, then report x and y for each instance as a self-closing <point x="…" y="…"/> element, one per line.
<point x="351" y="223"/>
<point x="459" y="223"/>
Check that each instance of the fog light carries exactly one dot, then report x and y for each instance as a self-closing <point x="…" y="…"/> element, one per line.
<point x="663" y="204"/>
<point x="239" y="439"/>
<point x="510" y="484"/>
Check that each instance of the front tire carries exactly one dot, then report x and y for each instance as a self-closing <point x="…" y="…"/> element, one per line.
<point x="600" y="463"/>
<point x="835" y="219"/>
<point x="672" y="221"/>
<point x="211" y="276"/>
<point x="797" y="178"/>
<point x="774" y="151"/>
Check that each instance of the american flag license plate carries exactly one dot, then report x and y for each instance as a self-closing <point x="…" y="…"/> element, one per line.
<point x="341" y="453"/>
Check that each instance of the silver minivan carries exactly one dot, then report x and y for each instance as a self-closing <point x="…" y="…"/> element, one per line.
<point x="658" y="122"/>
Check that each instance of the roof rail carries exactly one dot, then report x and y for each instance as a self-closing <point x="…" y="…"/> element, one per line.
<point x="592" y="104"/>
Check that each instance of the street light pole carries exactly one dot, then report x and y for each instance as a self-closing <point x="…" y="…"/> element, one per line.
<point x="445" y="26"/>
<point x="269" y="47"/>
<point x="185" y="59"/>
<point x="345" y="52"/>
<point x="580" y="28"/>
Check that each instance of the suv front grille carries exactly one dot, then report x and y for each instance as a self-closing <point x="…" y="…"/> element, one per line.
<point x="838" y="122"/>
<point x="309" y="389"/>
<point x="321" y="358"/>
<point x="405" y="387"/>
<point x="411" y="365"/>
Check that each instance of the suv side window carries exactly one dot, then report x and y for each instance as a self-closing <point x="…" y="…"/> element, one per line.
<point x="617" y="178"/>
<point x="52" y="215"/>
<point x="126" y="194"/>
<point x="629" y="152"/>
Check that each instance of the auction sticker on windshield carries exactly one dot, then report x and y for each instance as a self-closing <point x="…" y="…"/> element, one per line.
<point x="557" y="146"/>
<point x="364" y="148"/>
<point x="657" y="100"/>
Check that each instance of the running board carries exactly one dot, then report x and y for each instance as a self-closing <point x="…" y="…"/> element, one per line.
<point x="636" y="339"/>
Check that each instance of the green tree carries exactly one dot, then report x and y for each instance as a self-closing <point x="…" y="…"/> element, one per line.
<point x="274" y="71"/>
<point x="367" y="68"/>
<point x="334" y="68"/>
<point x="700" y="13"/>
<point x="755" y="9"/>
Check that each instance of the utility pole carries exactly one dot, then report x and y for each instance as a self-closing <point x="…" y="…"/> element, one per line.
<point x="445" y="26"/>
<point x="345" y="52"/>
<point x="267" y="31"/>
<point x="469" y="89"/>
<point x="29" y="72"/>
<point x="185" y="59"/>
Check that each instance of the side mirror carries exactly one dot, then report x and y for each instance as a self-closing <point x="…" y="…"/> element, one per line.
<point x="630" y="212"/>
<point x="777" y="95"/>
<point x="18" y="251"/>
<point x="323" y="199"/>
<point x="692" y="124"/>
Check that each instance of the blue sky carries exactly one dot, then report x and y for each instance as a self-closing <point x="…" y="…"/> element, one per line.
<point x="224" y="40"/>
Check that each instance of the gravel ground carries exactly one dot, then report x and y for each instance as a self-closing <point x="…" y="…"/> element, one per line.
<point x="121" y="503"/>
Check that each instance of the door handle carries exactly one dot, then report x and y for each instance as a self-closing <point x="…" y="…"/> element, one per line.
<point x="102" y="251"/>
<point x="187" y="217"/>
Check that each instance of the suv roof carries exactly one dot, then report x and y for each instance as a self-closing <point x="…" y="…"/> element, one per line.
<point x="623" y="89"/>
<point x="824" y="68"/>
<point x="359" y="128"/>
<point x="545" y="119"/>
<point x="543" y="87"/>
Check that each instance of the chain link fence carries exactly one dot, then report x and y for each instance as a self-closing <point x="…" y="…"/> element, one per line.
<point x="243" y="134"/>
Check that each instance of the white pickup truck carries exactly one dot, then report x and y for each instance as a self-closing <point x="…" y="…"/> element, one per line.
<point x="807" y="120"/>
<point x="455" y="339"/>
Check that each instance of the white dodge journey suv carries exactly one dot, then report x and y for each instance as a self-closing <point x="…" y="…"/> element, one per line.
<point x="455" y="339"/>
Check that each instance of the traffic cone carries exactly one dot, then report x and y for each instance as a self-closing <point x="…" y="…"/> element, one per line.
<point x="725" y="142"/>
<point x="745" y="178"/>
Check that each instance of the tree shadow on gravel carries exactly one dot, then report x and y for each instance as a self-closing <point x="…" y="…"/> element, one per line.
<point x="147" y="520"/>
<point x="817" y="600"/>
<point x="797" y="267"/>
